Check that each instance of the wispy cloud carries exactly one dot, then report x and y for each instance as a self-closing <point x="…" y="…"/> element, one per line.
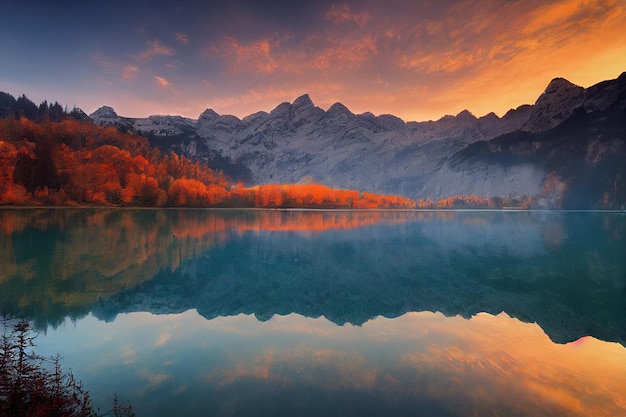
<point x="319" y="51"/>
<point x="154" y="380"/>
<point x="338" y="14"/>
<point x="155" y="48"/>
<point x="130" y="72"/>
<point x="128" y="354"/>
<point x="182" y="38"/>
<point x="162" y="340"/>
<point x="254" y="56"/>
<point x="345" y="53"/>
<point x="161" y="81"/>
<point x="490" y="32"/>
<point x="417" y="59"/>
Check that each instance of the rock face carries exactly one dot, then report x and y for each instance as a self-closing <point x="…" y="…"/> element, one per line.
<point x="154" y="125"/>
<point x="299" y="141"/>
<point x="555" y="105"/>
<point x="104" y="115"/>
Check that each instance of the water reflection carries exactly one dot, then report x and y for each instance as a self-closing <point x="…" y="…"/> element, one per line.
<point x="417" y="364"/>
<point x="59" y="262"/>
<point x="196" y="312"/>
<point x="565" y="271"/>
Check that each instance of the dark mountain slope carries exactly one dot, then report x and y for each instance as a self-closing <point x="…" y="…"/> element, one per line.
<point x="571" y="136"/>
<point x="587" y="152"/>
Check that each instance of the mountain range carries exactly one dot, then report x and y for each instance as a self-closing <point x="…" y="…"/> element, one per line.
<point x="567" y="150"/>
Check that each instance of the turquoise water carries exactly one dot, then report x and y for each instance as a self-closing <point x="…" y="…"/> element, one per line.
<point x="430" y="313"/>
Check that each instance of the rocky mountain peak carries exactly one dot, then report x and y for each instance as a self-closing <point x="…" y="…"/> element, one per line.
<point x="281" y="110"/>
<point x="339" y="110"/>
<point x="104" y="112"/>
<point x="106" y="116"/>
<point x="490" y="124"/>
<point x="208" y="116"/>
<point x="466" y="117"/>
<point x="303" y="101"/>
<point x="602" y="95"/>
<point x="489" y="116"/>
<point x="255" y="117"/>
<point x="556" y="104"/>
<point x="226" y="123"/>
<point x="516" y="118"/>
<point x="304" y="111"/>
<point x="559" y="86"/>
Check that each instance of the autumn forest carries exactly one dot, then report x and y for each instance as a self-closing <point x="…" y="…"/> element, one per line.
<point x="49" y="156"/>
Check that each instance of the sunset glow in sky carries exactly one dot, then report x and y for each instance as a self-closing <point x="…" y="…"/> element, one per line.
<point x="418" y="60"/>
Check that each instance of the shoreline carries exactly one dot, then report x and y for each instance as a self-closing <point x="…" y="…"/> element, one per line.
<point x="507" y="209"/>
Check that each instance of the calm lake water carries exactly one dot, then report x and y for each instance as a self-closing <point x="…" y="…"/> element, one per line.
<point x="271" y="313"/>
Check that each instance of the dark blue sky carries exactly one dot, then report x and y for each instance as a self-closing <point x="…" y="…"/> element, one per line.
<point x="414" y="59"/>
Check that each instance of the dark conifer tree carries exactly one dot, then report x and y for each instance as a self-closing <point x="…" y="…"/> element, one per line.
<point x="56" y="112"/>
<point x="8" y="105"/>
<point x="36" y="386"/>
<point x="43" y="111"/>
<point x="26" y="108"/>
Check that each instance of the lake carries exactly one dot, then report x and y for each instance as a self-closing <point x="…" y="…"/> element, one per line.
<point x="355" y="313"/>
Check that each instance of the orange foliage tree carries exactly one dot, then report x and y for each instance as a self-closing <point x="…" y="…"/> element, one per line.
<point x="10" y="193"/>
<point x="321" y="196"/>
<point x="74" y="162"/>
<point x="88" y="164"/>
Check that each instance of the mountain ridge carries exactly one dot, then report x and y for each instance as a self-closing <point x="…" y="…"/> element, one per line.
<point x="385" y="154"/>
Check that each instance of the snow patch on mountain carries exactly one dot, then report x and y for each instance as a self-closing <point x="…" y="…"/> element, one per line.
<point x="300" y="141"/>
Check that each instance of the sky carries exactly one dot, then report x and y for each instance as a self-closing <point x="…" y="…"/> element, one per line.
<point x="418" y="60"/>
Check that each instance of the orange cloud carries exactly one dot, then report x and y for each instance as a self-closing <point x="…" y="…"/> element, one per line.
<point x="557" y="15"/>
<point x="490" y="32"/>
<point x="487" y="55"/>
<point x="476" y="367"/>
<point x="344" y="53"/>
<point x="253" y="57"/>
<point x="332" y="369"/>
<point x="342" y="14"/>
<point x="517" y="365"/>
<point x="162" y="81"/>
<point x="130" y="72"/>
<point x="493" y="56"/>
<point x="332" y="50"/>
<point x="448" y="62"/>
<point x="155" y="48"/>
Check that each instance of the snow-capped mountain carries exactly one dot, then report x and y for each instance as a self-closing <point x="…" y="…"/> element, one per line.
<point x="301" y="142"/>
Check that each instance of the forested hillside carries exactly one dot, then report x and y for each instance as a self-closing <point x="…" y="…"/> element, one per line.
<point x="49" y="156"/>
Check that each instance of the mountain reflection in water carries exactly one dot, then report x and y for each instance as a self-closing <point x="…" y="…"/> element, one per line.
<point x="564" y="271"/>
<point x="270" y="313"/>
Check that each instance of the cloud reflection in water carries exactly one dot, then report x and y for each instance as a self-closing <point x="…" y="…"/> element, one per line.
<point x="293" y="364"/>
